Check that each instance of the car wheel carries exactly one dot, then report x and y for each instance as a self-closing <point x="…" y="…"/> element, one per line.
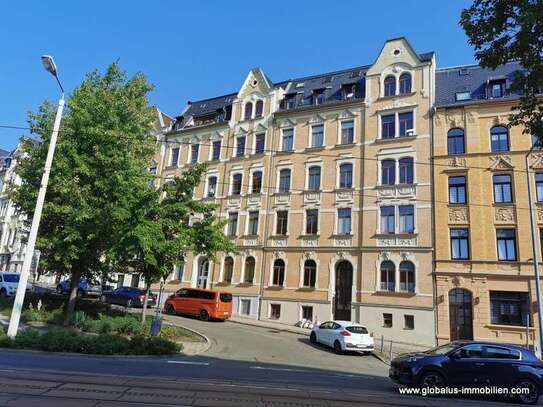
<point x="204" y="315"/>
<point x="313" y="337"/>
<point x="432" y="379"/>
<point x="3" y="293"/>
<point x="103" y="298"/>
<point x="169" y="309"/>
<point x="337" y="348"/>
<point x="532" y="396"/>
<point x="129" y="303"/>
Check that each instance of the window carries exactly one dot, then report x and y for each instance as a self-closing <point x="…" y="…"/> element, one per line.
<point x="406" y="170"/>
<point x="194" y="150"/>
<point x="497" y="88"/>
<point x="248" y="110"/>
<point x="317" y="135"/>
<point x="388" y="276"/>
<point x="232" y="224"/>
<point x="455" y="141"/>
<point x="536" y="142"/>
<point x="388" y="222"/>
<point x="290" y="101"/>
<point x="278" y="272"/>
<point x="347" y="132"/>
<point x="259" y="108"/>
<point x="284" y="180"/>
<point x="245" y="306"/>
<point x="344" y="221"/>
<point x="407" y="277"/>
<point x="457" y="190"/>
<point x="388" y="126"/>
<point x="260" y="143"/>
<point x="408" y="322"/>
<point x="539" y="186"/>
<point x="228" y="270"/>
<point x="253" y="223"/>
<point x="216" y="151"/>
<point x="180" y="270"/>
<point x="507" y="243"/>
<point x="387" y="320"/>
<point x="509" y="308"/>
<point x="405" y="83"/>
<point x="405" y="121"/>
<point x="282" y="222"/>
<point x="256" y="187"/>
<point x="388" y="172"/>
<point x="318" y="96"/>
<point x="459" y="244"/>
<point x="288" y="140"/>
<point x="346" y="175"/>
<point x="311" y="221"/>
<point x="502" y="188"/>
<point x="310" y="273"/>
<point x="307" y="312"/>
<point x="240" y="146"/>
<point x="390" y="86"/>
<point x="348" y="92"/>
<point x="314" y="181"/>
<point x="463" y="96"/>
<point x="407" y="218"/>
<point x="211" y="186"/>
<point x="249" y="270"/>
<point x="175" y="156"/>
<point x="236" y="184"/>
<point x="275" y="311"/>
<point x="499" y="139"/>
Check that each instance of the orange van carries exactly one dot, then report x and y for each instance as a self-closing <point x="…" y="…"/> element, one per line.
<point x="205" y="304"/>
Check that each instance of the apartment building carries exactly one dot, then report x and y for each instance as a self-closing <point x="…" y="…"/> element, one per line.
<point x="320" y="182"/>
<point x="484" y="261"/>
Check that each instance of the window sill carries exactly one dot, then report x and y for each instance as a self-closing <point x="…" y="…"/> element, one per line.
<point x="404" y="235"/>
<point x="341" y="236"/>
<point x="313" y="149"/>
<point x="171" y="167"/>
<point x="513" y="327"/>
<point x="238" y="157"/>
<point x="503" y="203"/>
<point x="278" y="236"/>
<point x="281" y="193"/>
<point x="345" y="145"/>
<point x="254" y="195"/>
<point x="241" y="285"/>
<point x="259" y="154"/>
<point x="398" y="95"/>
<point x="275" y="287"/>
<point x="310" y="236"/>
<point x="393" y="139"/>
<point x="249" y="236"/>
<point x="306" y="289"/>
<point x="395" y="293"/>
<point x="284" y="152"/>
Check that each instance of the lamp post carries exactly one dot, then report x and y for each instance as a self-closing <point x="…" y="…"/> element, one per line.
<point x="534" y="252"/>
<point x="49" y="65"/>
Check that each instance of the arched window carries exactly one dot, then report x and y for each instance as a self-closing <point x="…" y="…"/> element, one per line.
<point x="228" y="270"/>
<point x="211" y="186"/>
<point x="388" y="271"/>
<point x="405" y="83"/>
<point x="388" y="172"/>
<point x="236" y="183"/>
<point x="310" y="273"/>
<point x="314" y="181"/>
<point x="390" y="85"/>
<point x="499" y="139"/>
<point x="406" y="170"/>
<point x="284" y="180"/>
<point x="278" y="272"/>
<point x="257" y="182"/>
<point x="249" y="270"/>
<point x="248" y="110"/>
<point x="407" y="276"/>
<point x="346" y="175"/>
<point x="455" y="141"/>
<point x="259" y="108"/>
<point x="203" y="273"/>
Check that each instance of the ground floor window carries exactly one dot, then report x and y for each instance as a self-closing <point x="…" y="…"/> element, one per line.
<point x="307" y="312"/>
<point x="275" y="311"/>
<point x="245" y="307"/>
<point x="409" y="322"/>
<point x="509" y="308"/>
<point x="387" y="320"/>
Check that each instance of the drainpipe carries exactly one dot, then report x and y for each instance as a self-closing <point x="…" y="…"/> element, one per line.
<point x="433" y="192"/>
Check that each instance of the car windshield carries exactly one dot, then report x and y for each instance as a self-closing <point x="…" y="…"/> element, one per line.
<point x="442" y="350"/>
<point x="11" y="278"/>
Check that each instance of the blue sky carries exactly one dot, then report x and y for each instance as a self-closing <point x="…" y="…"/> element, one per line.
<point x="192" y="50"/>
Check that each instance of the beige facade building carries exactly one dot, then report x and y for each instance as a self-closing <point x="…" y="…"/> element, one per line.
<point x="320" y="181"/>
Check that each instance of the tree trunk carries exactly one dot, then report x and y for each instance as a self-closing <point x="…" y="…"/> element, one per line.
<point x="74" y="287"/>
<point x="144" y="307"/>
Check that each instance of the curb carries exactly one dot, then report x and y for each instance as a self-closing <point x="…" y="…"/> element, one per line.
<point x="280" y="328"/>
<point x="201" y="335"/>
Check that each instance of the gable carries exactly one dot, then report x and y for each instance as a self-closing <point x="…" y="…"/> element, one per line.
<point x="255" y="81"/>
<point x="396" y="51"/>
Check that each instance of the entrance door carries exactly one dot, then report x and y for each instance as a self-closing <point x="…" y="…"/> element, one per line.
<point x="344" y="286"/>
<point x="460" y="314"/>
<point x="203" y="273"/>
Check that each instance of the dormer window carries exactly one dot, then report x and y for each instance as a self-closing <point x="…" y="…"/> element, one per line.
<point x="348" y="91"/>
<point x="290" y="101"/>
<point x="462" y="96"/>
<point x="318" y="96"/>
<point x="496" y="88"/>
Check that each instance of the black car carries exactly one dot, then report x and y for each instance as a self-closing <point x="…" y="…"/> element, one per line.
<point x="469" y="364"/>
<point x="128" y="296"/>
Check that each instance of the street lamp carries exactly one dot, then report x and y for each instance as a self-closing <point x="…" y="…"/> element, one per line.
<point x="49" y="65"/>
<point x="534" y="251"/>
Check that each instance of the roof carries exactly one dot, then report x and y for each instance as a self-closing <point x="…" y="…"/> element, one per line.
<point x="4" y="153"/>
<point x="473" y="79"/>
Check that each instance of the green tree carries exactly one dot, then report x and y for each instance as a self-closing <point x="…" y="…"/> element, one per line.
<point x="99" y="169"/>
<point x="166" y="224"/>
<point x="507" y="30"/>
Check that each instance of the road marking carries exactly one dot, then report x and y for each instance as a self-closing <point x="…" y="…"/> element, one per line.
<point x="182" y="362"/>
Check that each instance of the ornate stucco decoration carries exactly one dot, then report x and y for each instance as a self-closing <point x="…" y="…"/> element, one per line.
<point x="286" y="123"/>
<point x="500" y="163"/>
<point x="458" y="215"/>
<point x="317" y="119"/>
<point x="457" y="162"/>
<point x="505" y="214"/>
<point x="346" y="114"/>
<point x="537" y="161"/>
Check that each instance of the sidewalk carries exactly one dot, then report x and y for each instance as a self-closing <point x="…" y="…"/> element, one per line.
<point x="271" y="325"/>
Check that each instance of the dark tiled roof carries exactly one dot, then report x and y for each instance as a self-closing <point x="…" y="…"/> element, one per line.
<point x="4" y="153"/>
<point x="472" y="79"/>
<point x="427" y="56"/>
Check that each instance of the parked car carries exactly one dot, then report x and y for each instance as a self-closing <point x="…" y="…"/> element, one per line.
<point x="343" y="336"/>
<point x="471" y="364"/>
<point x="9" y="283"/>
<point x="205" y="304"/>
<point x="85" y="288"/>
<point x="128" y="296"/>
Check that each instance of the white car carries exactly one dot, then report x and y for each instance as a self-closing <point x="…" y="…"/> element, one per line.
<point x="9" y="283"/>
<point x="343" y="336"/>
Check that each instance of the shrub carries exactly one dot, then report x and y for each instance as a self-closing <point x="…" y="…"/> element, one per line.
<point x="28" y="338"/>
<point x="60" y="340"/>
